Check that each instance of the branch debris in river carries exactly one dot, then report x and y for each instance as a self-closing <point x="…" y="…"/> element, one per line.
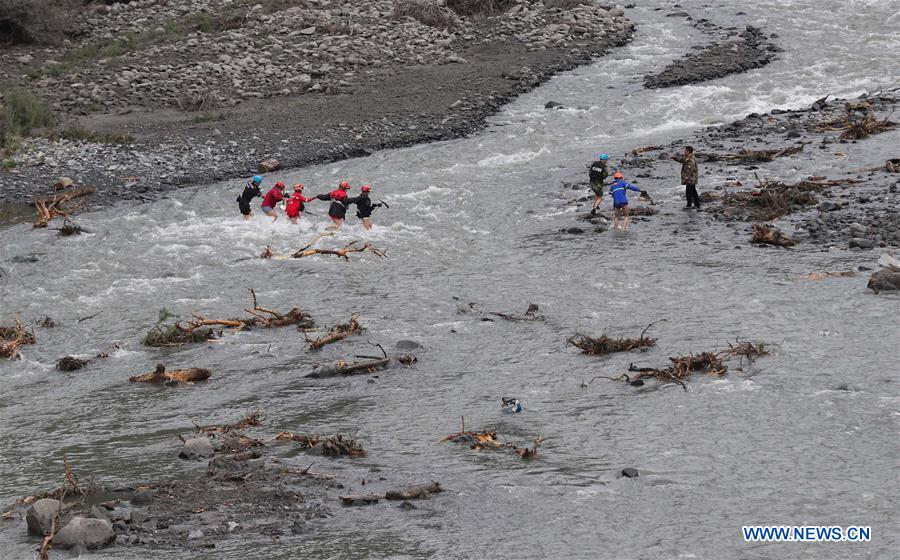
<point x="73" y="363"/>
<point x="252" y="419"/>
<point x="773" y="199"/>
<point x="11" y="338"/>
<point x="333" y="446"/>
<point x="859" y="122"/>
<point x="371" y="364"/>
<point x="489" y="440"/>
<point x="606" y="345"/>
<point x="200" y="329"/>
<point x="683" y="367"/>
<point x="355" y="246"/>
<point x="417" y="492"/>
<point x="749" y="156"/>
<point x="337" y="333"/>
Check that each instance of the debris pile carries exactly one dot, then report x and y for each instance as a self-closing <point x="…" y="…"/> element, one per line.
<point x="771" y="235"/>
<point x="332" y="446"/>
<point x="11" y="338"/>
<point x="606" y="345"/>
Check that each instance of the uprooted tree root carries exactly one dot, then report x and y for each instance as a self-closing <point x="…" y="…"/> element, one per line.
<point x="337" y="333"/>
<point x="606" y="345"/>
<point x="60" y="205"/>
<point x="683" y="367"/>
<point x="771" y="235"/>
<point x="72" y="363"/>
<point x="200" y="329"/>
<point x="859" y="122"/>
<point x="489" y="440"/>
<point x="160" y="375"/>
<point x="750" y="156"/>
<point x="333" y="446"/>
<point x="11" y="338"/>
<point x="70" y="228"/>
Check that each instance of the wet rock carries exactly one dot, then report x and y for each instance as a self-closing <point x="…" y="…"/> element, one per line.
<point x="143" y="497"/>
<point x="269" y="165"/>
<point x="858" y="230"/>
<point x="630" y="472"/>
<point x="195" y="534"/>
<point x="862" y="243"/>
<point x="196" y="449"/>
<point x="827" y="206"/>
<point x="85" y="532"/>
<point x="63" y="183"/>
<point x="39" y="515"/>
<point x="99" y="513"/>
<point x="885" y="280"/>
<point x="575" y="230"/>
<point x="553" y="105"/>
<point x="407" y="345"/>
<point x="406" y="506"/>
<point x="70" y="363"/>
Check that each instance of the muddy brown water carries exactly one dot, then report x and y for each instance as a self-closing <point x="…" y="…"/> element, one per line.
<point x="805" y="436"/>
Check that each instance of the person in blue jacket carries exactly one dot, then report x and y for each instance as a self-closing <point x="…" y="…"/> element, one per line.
<point x="618" y="191"/>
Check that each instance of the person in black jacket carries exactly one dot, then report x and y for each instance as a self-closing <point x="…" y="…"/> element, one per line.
<point x="251" y="191"/>
<point x="364" y="206"/>
<point x="597" y="174"/>
<point x="338" y="208"/>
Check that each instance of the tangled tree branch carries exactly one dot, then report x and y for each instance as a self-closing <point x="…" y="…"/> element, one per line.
<point x="11" y="338"/>
<point x="337" y="332"/>
<point x="59" y="205"/>
<point x="606" y="345"/>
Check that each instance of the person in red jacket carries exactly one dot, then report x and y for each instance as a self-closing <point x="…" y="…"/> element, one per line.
<point x="295" y="203"/>
<point x="273" y="197"/>
<point x="338" y="198"/>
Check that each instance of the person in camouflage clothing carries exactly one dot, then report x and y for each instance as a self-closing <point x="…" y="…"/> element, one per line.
<point x="689" y="176"/>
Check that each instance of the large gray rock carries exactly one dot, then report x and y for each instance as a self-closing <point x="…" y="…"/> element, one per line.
<point x="39" y="515"/>
<point x="886" y="279"/>
<point x="196" y="449"/>
<point x="85" y="532"/>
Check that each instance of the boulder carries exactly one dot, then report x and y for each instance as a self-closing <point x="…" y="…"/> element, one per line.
<point x="862" y="243"/>
<point x="269" y="165"/>
<point x="39" y="515"/>
<point x="63" y="183"/>
<point x="85" y="532"/>
<point x="554" y="105"/>
<point x="143" y="497"/>
<point x="886" y="279"/>
<point x="196" y="449"/>
<point x="630" y="472"/>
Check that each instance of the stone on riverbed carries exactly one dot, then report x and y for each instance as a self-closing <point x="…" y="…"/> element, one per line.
<point x="886" y="279"/>
<point x="196" y="449"/>
<point x="85" y="532"/>
<point x="40" y="514"/>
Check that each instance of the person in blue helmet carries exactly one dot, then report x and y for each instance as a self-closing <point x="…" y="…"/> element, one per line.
<point x="597" y="174"/>
<point x="251" y="190"/>
<point x="618" y="190"/>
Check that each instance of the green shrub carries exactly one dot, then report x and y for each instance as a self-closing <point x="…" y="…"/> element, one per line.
<point x="429" y="12"/>
<point x="20" y="113"/>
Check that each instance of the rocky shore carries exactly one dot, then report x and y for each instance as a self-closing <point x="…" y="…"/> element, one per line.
<point x="187" y="92"/>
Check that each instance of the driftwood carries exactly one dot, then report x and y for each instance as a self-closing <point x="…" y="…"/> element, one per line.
<point x="59" y="205"/>
<point x="771" y="235"/>
<point x="337" y="333"/>
<point x="370" y="365"/>
<point x="750" y="156"/>
<point x="531" y="314"/>
<point x="11" y="338"/>
<point x="859" y="122"/>
<point x="826" y="275"/>
<point x="43" y="550"/>
<point x="333" y="446"/>
<point x="252" y="419"/>
<point x="774" y="199"/>
<point x="199" y="328"/>
<point x="160" y="375"/>
<point x="605" y="345"/>
<point x="308" y="250"/>
<point x="417" y="492"/>
<point x="489" y="440"/>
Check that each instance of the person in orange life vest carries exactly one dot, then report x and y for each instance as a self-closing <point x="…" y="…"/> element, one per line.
<point x="295" y="203"/>
<point x="273" y="197"/>
<point x="338" y="197"/>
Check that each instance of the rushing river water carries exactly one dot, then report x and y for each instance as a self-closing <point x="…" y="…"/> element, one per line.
<point x="781" y="442"/>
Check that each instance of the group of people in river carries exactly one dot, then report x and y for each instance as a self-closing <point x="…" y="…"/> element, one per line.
<point x="618" y="189"/>
<point x="295" y="204"/>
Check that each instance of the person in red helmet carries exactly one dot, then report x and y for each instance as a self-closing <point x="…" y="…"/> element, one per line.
<point x="338" y="197"/>
<point x="295" y="203"/>
<point x="364" y="206"/>
<point x="273" y="197"/>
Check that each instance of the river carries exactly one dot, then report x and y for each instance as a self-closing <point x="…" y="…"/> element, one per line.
<point x="805" y="436"/>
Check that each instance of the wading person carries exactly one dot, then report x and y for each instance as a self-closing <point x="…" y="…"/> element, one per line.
<point x="251" y="190"/>
<point x="338" y="197"/>
<point x="689" y="176"/>
<point x="364" y="206"/>
<point x="620" y="198"/>
<point x="296" y="203"/>
<point x="272" y="198"/>
<point x="597" y="174"/>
